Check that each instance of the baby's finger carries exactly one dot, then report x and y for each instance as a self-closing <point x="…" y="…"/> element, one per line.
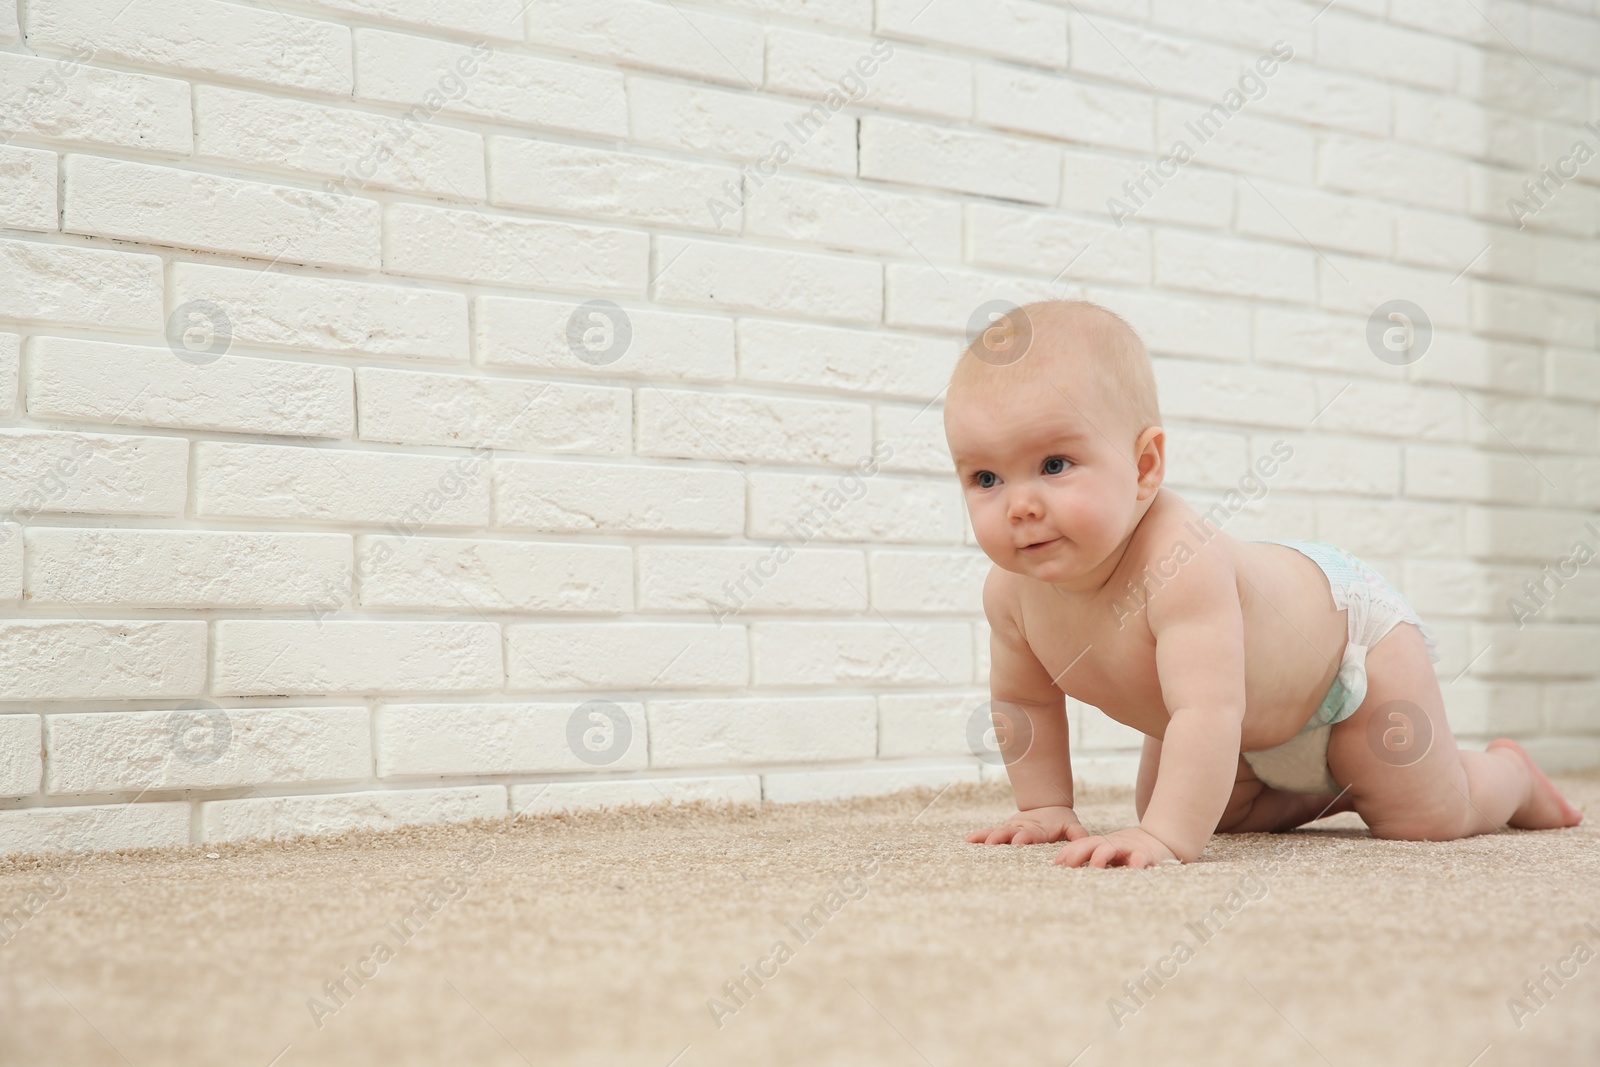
<point x="1076" y="852"/>
<point x="1001" y="835"/>
<point x="1026" y="836"/>
<point x="1104" y="853"/>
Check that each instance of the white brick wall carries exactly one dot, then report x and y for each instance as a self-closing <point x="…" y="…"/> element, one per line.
<point x="416" y="411"/>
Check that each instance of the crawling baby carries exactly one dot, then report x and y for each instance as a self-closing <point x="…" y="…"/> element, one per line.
<point x="1275" y="682"/>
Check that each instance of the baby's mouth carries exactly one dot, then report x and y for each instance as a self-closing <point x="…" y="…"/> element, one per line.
<point x="1036" y="546"/>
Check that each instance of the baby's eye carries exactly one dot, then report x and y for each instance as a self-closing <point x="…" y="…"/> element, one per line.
<point x="1055" y="464"/>
<point x="978" y="479"/>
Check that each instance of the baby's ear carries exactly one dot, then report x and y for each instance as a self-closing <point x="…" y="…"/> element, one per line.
<point x="1149" y="456"/>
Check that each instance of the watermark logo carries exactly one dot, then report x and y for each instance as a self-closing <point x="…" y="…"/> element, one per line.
<point x="199" y="332"/>
<point x="599" y="732"/>
<point x="1399" y="332"/>
<point x="599" y="332"/>
<point x="199" y="732"/>
<point x="1538" y="994"/>
<point x="993" y="729"/>
<point x="1542" y="187"/>
<point x="999" y="332"/>
<point x="1552" y="579"/>
<point x="1399" y="733"/>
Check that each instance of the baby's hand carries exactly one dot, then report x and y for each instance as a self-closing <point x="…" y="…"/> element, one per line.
<point x="1132" y="847"/>
<point x="1033" y="827"/>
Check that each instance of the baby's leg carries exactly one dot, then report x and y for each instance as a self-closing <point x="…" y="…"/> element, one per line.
<point x="1444" y="793"/>
<point x="1254" y="807"/>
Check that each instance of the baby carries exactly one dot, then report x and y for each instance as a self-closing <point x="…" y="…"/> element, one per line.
<point x="1275" y="682"/>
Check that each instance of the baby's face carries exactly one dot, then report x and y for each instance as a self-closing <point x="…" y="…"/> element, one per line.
<point x="1050" y="479"/>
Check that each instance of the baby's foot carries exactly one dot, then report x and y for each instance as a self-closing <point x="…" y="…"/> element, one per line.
<point x="1545" y="807"/>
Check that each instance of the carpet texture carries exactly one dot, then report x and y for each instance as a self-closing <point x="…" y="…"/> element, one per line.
<point x="619" y="937"/>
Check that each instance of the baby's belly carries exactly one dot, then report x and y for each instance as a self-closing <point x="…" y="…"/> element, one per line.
<point x="1294" y="639"/>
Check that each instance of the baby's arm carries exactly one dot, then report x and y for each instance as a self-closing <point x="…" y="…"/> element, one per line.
<point x="1199" y="630"/>
<point x="1031" y="727"/>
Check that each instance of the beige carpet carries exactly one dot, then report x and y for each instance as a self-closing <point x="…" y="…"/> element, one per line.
<point x="601" y="939"/>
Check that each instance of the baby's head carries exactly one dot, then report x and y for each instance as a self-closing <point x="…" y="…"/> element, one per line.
<point x="1062" y="445"/>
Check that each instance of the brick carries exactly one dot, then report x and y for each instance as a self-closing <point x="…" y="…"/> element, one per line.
<point x="1536" y="314"/>
<point x="83" y="473"/>
<point x="1253" y="24"/>
<point x="9" y="30"/>
<point x="617" y="655"/>
<point x="63" y="659"/>
<point x="10" y="370"/>
<point x="1012" y="29"/>
<point x="1328" y="464"/>
<point x="1003" y="238"/>
<point x="183" y="209"/>
<point x="21" y="755"/>
<point x="1228" y="267"/>
<point x="601" y="185"/>
<point x="1393" y="172"/>
<point x="1468" y="475"/>
<point x="1372" y="49"/>
<point x="27" y="189"/>
<point x="1508" y="82"/>
<point x="1461" y="127"/>
<point x="1391" y="410"/>
<point x="1180" y="326"/>
<point x="284" y="657"/>
<point x="1575" y="373"/>
<point x="63" y="100"/>
<point x="1205" y="459"/>
<point x="339" y="485"/>
<point x="917" y="439"/>
<point x="552" y="334"/>
<point x="1249" y="144"/>
<point x="705" y="732"/>
<point x="280" y="818"/>
<point x="204" y="37"/>
<point x="1064" y="109"/>
<point x="435" y="572"/>
<point x="1542" y="651"/>
<point x="743" y="277"/>
<point x="483" y="82"/>
<point x="11" y="562"/>
<point x="308" y="313"/>
<point x="703" y="425"/>
<point x="742" y="125"/>
<point x="1463" y="246"/>
<point x="896" y="77"/>
<point x="1393" y="528"/>
<point x="1235" y="394"/>
<point x="793" y="787"/>
<point x="739" y="789"/>
<point x="570" y="497"/>
<point x="79" y="286"/>
<point x="1570" y="39"/>
<point x="100" y="827"/>
<point x="1567" y="264"/>
<point x="1534" y="535"/>
<point x="851" y="14"/>
<point x="912" y="582"/>
<point x="480" y="739"/>
<point x="852" y="217"/>
<point x="1575" y="210"/>
<point x="186" y="569"/>
<point x="499" y="19"/>
<point x="1298" y="216"/>
<point x="947" y="299"/>
<point x="855" y="653"/>
<point x="1360" y="286"/>
<point x="357" y="149"/>
<point x="499" y="250"/>
<point x="205" y="748"/>
<point x="100" y="382"/>
<point x="920" y="724"/>
<point x="1550" y="425"/>
<point x="635" y="33"/>
<point x="1090" y="182"/>
<point x="767" y="579"/>
<point x="915" y="153"/>
<point x="406" y="407"/>
<point x="851" y="361"/>
<point x="892" y="509"/>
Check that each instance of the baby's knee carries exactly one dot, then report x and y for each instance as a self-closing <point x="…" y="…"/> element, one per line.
<point x="1445" y="820"/>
